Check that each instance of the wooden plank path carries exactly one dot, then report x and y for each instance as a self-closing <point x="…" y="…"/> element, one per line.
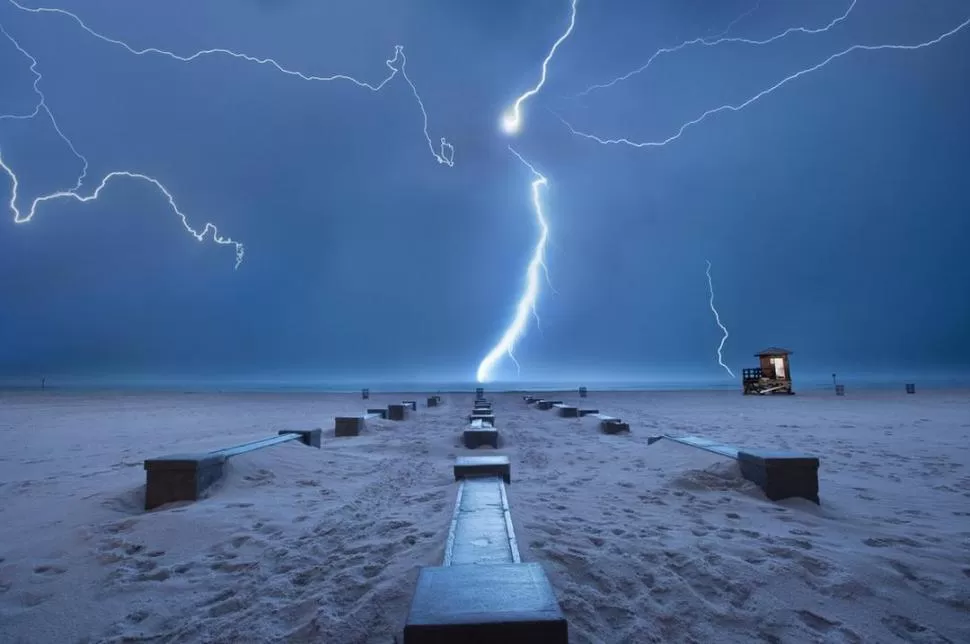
<point x="482" y="591"/>
<point x="481" y="527"/>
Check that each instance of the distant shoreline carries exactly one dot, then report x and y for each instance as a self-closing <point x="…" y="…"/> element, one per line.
<point x="451" y="389"/>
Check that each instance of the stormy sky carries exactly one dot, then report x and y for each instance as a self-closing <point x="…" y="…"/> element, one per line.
<point x="835" y="210"/>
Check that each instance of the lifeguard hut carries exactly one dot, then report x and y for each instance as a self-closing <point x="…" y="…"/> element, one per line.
<point x="772" y="377"/>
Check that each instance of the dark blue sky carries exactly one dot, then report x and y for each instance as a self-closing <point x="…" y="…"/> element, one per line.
<point x="835" y="210"/>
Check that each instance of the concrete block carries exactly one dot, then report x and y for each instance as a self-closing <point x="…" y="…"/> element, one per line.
<point x="348" y="426"/>
<point x="413" y="404"/>
<point x="568" y="411"/>
<point x="614" y="426"/>
<point x="433" y="401"/>
<point x="471" y="466"/>
<point x="781" y="475"/>
<point x="309" y="437"/>
<point x="588" y="412"/>
<point x="485" y="418"/>
<point x="180" y="477"/>
<point x="397" y="412"/>
<point x="509" y="603"/>
<point x="478" y="436"/>
<point x="382" y="412"/>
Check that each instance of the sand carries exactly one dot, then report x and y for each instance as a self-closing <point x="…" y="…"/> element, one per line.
<point x="642" y="543"/>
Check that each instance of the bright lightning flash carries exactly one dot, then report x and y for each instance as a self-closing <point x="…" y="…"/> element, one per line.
<point x="717" y="318"/>
<point x="720" y="39"/>
<point x="527" y="303"/>
<point x="512" y="118"/>
<point x="443" y="153"/>
<point x="209" y="230"/>
<point x="765" y="92"/>
<point x="512" y="124"/>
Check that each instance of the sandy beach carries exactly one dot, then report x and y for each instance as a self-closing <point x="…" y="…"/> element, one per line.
<point x="642" y="543"/>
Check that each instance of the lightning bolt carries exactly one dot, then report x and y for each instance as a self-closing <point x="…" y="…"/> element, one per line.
<point x="446" y="152"/>
<point x="512" y="124"/>
<point x="443" y="152"/>
<point x="734" y="23"/>
<point x="512" y="118"/>
<point x="765" y="92"/>
<point x="719" y="39"/>
<point x="717" y="318"/>
<point x="527" y="302"/>
<point x="20" y="217"/>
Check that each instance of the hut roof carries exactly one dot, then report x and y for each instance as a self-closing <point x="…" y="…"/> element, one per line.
<point x="772" y="351"/>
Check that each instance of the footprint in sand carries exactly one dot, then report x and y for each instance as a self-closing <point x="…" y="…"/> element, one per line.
<point x="31" y="599"/>
<point x="239" y="540"/>
<point x="889" y="542"/>
<point x="138" y="616"/>
<point x="161" y="574"/>
<point x="49" y="570"/>
<point x="815" y="621"/>
<point x="911" y="630"/>
<point x="230" y="604"/>
<point x="797" y="543"/>
<point x="261" y="476"/>
<point x="121" y="526"/>
<point x="233" y="566"/>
